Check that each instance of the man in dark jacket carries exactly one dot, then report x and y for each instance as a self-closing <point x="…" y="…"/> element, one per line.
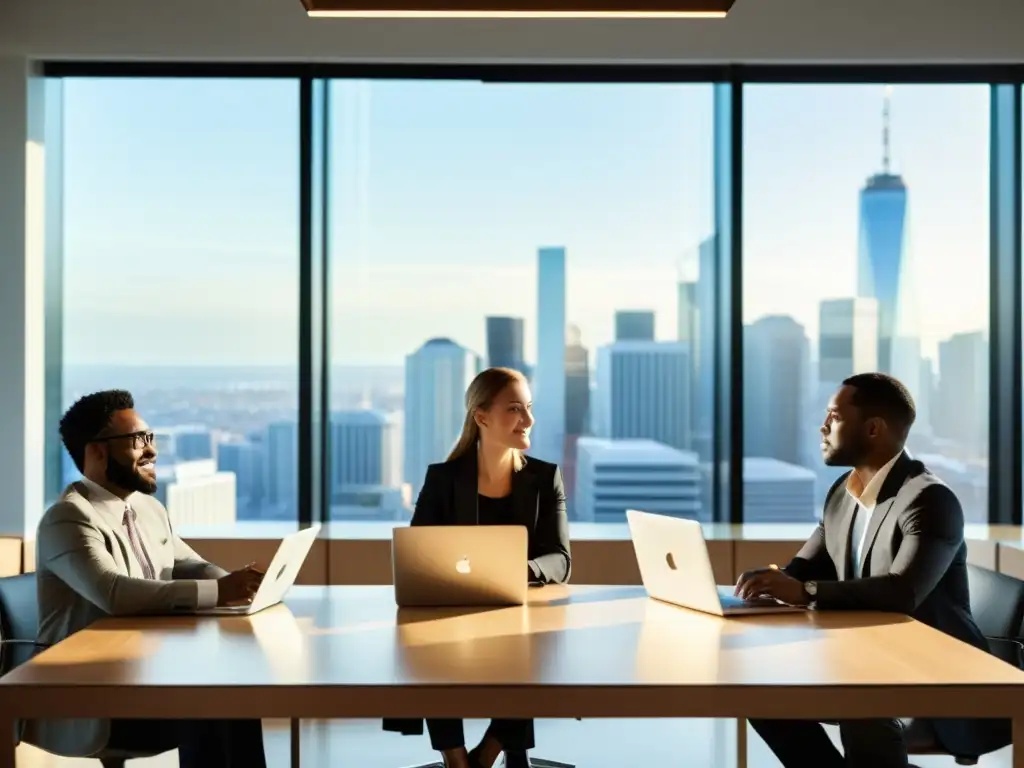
<point x="891" y="539"/>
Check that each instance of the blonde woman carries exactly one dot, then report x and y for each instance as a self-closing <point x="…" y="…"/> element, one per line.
<point x="488" y="480"/>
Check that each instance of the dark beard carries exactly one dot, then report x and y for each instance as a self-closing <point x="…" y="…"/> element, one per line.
<point x="848" y="456"/>
<point x="839" y="459"/>
<point x="128" y="477"/>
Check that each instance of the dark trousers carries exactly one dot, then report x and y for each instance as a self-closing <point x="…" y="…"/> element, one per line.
<point x="872" y="743"/>
<point x="200" y="743"/>
<point x="513" y="735"/>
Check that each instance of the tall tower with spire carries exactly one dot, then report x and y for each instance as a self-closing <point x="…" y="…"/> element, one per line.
<point x="885" y="128"/>
<point x="882" y="246"/>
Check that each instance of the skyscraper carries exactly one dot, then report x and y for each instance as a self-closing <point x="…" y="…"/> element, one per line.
<point x="924" y="399"/>
<point x="688" y="313"/>
<point x="185" y="442"/>
<point x="847" y="344"/>
<point x="634" y="325"/>
<point x="616" y="475"/>
<point x="436" y="378"/>
<point x="882" y="247"/>
<point x="505" y="343"/>
<point x="962" y="413"/>
<point x="577" y="383"/>
<point x="549" y="376"/>
<point x="776" y="361"/>
<point x="362" y="450"/>
<point x="643" y="391"/>
<point x="282" y="454"/>
<point x="695" y="326"/>
<point x="577" y="410"/>
<point x="777" y="492"/>
<point x="245" y="460"/>
<point x="848" y="339"/>
<point x="196" y="493"/>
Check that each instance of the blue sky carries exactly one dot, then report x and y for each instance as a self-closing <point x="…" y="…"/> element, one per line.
<point x="181" y="232"/>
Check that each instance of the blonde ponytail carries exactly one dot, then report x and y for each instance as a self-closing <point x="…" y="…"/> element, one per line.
<point x="468" y="439"/>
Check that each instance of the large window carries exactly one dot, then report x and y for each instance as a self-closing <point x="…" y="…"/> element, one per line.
<point x="866" y="247"/>
<point x="180" y="277"/>
<point x="562" y="230"/>
<point x="579" y="232"/>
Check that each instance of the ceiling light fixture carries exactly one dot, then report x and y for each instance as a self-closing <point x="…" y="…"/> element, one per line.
<point x="518" y="9"/>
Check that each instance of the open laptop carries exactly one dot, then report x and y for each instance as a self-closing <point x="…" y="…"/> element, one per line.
<point x="675" y="567"/>
<point x="280" y="575"/>
<point x="457" y="565"/>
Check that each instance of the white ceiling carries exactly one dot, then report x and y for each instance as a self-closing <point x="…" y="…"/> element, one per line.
<point x="925" y="31"/>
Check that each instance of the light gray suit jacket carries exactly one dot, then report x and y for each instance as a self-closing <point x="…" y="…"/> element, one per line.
<point x="86" y="570"/>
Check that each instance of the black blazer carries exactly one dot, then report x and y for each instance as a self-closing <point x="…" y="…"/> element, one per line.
<point x="914" y="562"/>
<point x="449" y="497"/>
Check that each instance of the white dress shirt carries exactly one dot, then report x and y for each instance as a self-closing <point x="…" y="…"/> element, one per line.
<point x="866" y="497"/>
<point x="209" y="592"/>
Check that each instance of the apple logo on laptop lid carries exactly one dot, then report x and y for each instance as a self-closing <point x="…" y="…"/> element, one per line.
<point x="462" y="566"/>
<point x="671" y="562"/>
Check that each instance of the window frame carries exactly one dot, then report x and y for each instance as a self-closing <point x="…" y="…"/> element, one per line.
<point x="1005" y="80"/>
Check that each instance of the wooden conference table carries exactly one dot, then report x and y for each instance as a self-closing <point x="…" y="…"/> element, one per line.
<point x="608" y="652"/>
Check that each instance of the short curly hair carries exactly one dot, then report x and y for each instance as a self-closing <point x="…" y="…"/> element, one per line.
<point x="879" y="394"/>
<point x="88" y="417"/>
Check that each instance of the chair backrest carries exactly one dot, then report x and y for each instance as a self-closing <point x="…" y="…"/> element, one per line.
<point x="997" y="602"/>
<point x="19" y="619"/>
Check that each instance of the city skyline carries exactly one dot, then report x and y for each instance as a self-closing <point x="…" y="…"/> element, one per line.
<point x="645" y="390"/>
<point x="627" y="216"/>
<point x="462" y="242"/>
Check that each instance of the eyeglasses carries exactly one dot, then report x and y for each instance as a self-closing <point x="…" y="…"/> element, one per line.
<point x="139" y="440"/>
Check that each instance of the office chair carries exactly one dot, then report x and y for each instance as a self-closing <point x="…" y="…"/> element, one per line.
<point x="997" y="604"/>
<point x="19" y="624"/>
<point x="19" y="621"/>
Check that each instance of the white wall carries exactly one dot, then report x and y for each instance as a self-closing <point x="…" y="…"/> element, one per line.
<point x="22" y="196"/>
<point x="756" y="31"/>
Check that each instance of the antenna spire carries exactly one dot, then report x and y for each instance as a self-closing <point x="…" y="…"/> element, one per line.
<point x="885" y="129"/>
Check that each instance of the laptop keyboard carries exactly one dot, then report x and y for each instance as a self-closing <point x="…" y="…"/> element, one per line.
<point x="729" y="600"/>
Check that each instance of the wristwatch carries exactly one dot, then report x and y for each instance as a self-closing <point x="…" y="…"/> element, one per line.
<point x="811" y="588"/>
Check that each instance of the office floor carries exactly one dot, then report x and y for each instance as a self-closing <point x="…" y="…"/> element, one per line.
<point x="587" y="744"/>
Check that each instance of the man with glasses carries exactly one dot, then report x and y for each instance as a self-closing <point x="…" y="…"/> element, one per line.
<point x="107" y="548"/>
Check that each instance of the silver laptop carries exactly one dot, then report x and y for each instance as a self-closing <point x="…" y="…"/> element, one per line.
<point x="675" y="567"/>
<point x="456" y="565"/>
<point x="280" y="575"/>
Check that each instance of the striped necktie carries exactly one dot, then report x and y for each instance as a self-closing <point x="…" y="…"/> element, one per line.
<point x="137" y="546"/>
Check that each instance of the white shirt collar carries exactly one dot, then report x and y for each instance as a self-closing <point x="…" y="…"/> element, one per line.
<point x="867" y="495"/>
<point x="100" y="493"/>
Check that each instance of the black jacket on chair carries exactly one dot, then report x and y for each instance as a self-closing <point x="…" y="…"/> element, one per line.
<point x="449" y="497"/>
